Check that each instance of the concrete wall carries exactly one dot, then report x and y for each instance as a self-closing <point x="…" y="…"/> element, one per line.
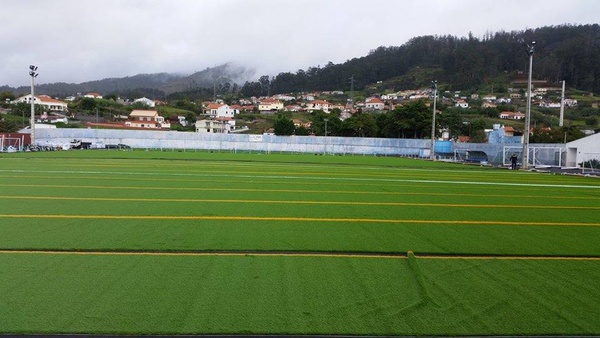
<point x="270" y="143"/>
<point x="233" y="142"/>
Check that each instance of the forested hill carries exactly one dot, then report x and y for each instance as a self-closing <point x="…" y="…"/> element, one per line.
<point x="566" y="52"/>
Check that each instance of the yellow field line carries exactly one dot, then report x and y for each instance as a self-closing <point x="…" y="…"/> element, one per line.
<point x="288" y="254"/>
<point x="193" y="200"/>
<point x="294" y="219"/>
<point x="561" y="258"/>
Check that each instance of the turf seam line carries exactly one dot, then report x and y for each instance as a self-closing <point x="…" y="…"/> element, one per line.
<point x="297" y="253"/>
<point x="295" y="219"/>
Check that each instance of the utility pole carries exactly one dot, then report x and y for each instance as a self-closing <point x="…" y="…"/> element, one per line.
<point x="525" y="165"/>
<point x="432" y="150"/>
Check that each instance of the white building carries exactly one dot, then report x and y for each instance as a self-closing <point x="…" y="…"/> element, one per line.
<point x="47" y="103"/>
<point x="220" y="110"/>
<point x="374" y="103"/>
<point x="215" y="126"/>
<point x="511" y="115"/>
<point x="583" y="150"/>
<point x="147" y="119"/>
<point x="93" y="95"/>
<point x="145" y="101"/>
<point x="462" y="104"/>
<point x="269" y="105"/>
<point x="318" y="105"/>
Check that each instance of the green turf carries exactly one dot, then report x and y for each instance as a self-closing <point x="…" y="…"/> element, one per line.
<point x="296" y="295"/>
<point x="224" y="202"/>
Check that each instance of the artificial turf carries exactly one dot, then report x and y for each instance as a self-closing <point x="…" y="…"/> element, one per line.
<point x="89" y="238"/>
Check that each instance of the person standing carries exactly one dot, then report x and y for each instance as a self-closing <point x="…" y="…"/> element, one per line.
<point x="513" y="161"/>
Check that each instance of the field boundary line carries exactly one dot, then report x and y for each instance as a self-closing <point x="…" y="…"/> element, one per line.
<point x="328" y="254"/>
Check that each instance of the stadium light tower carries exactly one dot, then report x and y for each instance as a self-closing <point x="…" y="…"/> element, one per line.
<point x="432" y="150"/>
<point x="325" y="134"/>
<point x="33" y="74"/>
<point x="525" y="160"/>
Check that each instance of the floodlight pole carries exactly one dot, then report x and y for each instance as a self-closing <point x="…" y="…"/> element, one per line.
<point x="325" y="134"/>
<point x="432" y="151"/>
<point x="33" y="75"/>
<point x="562" y="105"/>
<point x="525" y="165"/>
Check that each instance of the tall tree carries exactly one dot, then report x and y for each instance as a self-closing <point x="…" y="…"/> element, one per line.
<point x="283" y="125"/>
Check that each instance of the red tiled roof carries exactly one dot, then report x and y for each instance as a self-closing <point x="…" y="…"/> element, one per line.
<point x="48" y="99"/>
<point x="373" y="100"/>
<point x="214" y="106"/>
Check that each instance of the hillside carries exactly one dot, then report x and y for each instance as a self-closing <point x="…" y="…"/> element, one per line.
<point x="153" y="85"/>
<point x="566" y="52"/>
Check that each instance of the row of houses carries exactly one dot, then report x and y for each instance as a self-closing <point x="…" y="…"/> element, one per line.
<point x="219" y="120"/>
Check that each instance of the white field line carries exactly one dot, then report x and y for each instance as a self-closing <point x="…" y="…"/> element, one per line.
<point x="358" y="179"/>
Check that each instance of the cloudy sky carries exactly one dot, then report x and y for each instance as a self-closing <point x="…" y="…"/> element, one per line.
<point x="84" y="40"/>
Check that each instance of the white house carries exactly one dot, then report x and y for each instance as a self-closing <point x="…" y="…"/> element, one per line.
<point x="374" y="103"/>
<point x="145" y="101"/>
<point x="318" y="105"/>
<point x="147" y="119"/>
<point x="389" y="97"/>
<point x="546" y="104"/>
<point x="284" y="97"/>
<point x="47" y="103"/>
<point x="511" y="115"/>
<point x="93" y="95"/>
<point x="462" y="104"/>
<point x="222" y="125"/>
<point x="269" y="105"/>
<point x="570" y="103"/>
<point x="220" y="110"/>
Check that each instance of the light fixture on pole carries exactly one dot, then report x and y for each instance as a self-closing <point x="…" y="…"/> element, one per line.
<point x="33" y="74"/>
<point x="525" y="160"/>
<point x="432" y="150"/>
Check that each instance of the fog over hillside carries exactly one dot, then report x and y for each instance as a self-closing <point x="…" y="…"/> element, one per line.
<point x="163" y="82"/>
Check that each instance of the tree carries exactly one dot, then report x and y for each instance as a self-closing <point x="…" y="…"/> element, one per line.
<point x="87" y="104"/>
<point x="8" y="126"/>
<point x="591" y="121"/>
<point x="302" y="131"/>
<point x="412" y="120"/>
<point x="317" y="119"/>
<point x="452" y="121"/>
<point x="360" y="125"/>
<point x="5" y="97"/>
<point x="283" y="126"/>
<point x="111" y="96"/>
<point x="477" y="131"/>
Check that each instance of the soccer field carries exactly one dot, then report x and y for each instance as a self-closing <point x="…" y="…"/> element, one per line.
<point x="135" y="242"/>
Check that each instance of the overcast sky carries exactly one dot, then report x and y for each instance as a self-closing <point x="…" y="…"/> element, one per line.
<point x="85" y="40"/>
